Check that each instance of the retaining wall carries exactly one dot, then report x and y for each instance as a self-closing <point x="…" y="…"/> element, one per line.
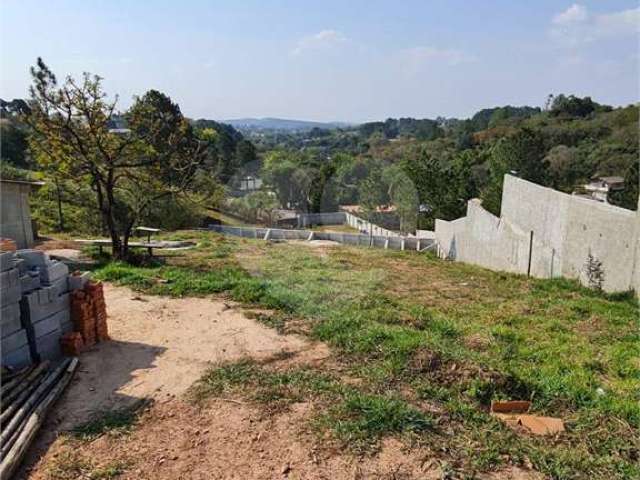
<point x="547" y="233"/>
<point x="573" y="227"/>
<point x="394" y="243"/>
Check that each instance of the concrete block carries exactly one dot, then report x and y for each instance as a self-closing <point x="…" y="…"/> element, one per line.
<point x="60" y="286"/>
<point x="10" y="319"/>
<point x="48" y="347"/>
<point x="29" y="282"/>
<point x="67" y="327"/>
<point x="6" y="260"/>
<point x="9" y="278"/>
<point x="32" y="310"/>
<point x="49" y="324"/>
<point x="54" y="271"/>
<point x="10" y="295"/>
<point x="18" y="358"/>
<point x="10" y="326"/>
<point x="78" y="282"/>
<point x="14" y="341"/>
<point x="34" y="258"/>
<point x="21" y="265"/>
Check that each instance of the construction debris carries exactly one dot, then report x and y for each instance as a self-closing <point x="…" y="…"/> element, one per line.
<point x="27" y="395"/>
<point x="515" y="414"/>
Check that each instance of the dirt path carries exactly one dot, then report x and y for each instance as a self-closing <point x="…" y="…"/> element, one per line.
<point x="159" y="347"/>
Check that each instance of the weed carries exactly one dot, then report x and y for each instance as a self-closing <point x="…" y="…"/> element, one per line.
<point x="112" y="422"/>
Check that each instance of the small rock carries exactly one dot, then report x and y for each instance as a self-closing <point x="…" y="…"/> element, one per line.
<point x="286" y="469"/>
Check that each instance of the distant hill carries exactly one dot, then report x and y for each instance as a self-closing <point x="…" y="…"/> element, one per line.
<point x="281" y="124"/>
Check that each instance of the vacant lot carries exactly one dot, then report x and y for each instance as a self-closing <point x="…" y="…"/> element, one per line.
<point x="419" y="348"/>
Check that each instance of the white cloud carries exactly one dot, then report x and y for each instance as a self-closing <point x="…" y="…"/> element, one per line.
<point x="618" y="23"/>
<point x="322" y="40"/>
<point x="416" y="57"/>
<point x="576" y="25"/>
<point x="574" y="14"/>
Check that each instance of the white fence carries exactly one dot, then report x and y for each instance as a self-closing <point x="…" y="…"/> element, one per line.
<point x="345" y="218"/>
<point x="378" y="241"/>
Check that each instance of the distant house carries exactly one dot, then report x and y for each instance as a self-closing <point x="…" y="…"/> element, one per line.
<point x="599" y="187"/>
<point x="15" y="215"/>
<point x="250" y="183"/>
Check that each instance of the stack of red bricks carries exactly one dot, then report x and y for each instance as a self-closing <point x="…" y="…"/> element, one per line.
<point x="89" y="314"/>
<point x="95" y="291"/>
<point x="7" y="245"/>
<point x="72" y="344"/>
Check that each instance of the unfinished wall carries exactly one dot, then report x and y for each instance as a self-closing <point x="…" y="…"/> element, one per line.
<point x="483" y="239"/>
<point x="573" y="226"/>
<point x="15" y="216"/>
<point x="448" y="234"/>
<point x="547" y="233"/>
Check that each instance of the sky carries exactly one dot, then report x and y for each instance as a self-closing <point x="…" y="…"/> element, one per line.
<point x="330" y="60"/>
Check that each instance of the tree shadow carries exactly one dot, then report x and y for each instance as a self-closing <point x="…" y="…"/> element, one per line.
<point x="94" y="390"/>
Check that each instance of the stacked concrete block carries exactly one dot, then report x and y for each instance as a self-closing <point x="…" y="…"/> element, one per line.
<point x="51" y="271"/>
<point x="14" y="342"/>
<point x="45" y="316"/>
<point x="36" y="298"/>
<point x="44" y="310"/>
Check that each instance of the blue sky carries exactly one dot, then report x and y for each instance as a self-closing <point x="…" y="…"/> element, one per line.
<point x="350" y="60"/>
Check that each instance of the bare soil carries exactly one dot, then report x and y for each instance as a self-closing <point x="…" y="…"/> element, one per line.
<point x="161" y="346"/>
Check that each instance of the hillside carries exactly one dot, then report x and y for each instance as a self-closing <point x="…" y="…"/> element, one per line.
<point x="281" y="124"/>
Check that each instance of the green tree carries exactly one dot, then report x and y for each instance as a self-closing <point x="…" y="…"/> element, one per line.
<point x="522" y="154"/>
<point x="628" y="198"/>
<point x="70" y="134"/>
<point x="403" y="195"/>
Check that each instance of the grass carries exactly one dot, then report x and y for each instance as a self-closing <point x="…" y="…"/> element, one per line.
<point x="70" y="464"/>
<point x="414" y="330"/>
<point x="110" y="422"/>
